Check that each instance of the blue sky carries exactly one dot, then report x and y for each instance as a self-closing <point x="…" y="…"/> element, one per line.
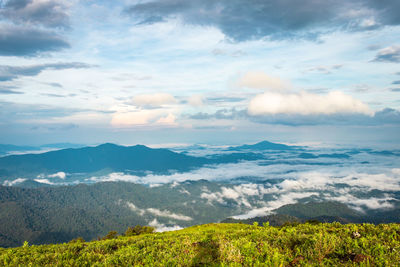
<point x="178" y="71"/>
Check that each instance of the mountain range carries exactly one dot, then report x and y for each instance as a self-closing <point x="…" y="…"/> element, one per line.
<point x="59" y="195"/>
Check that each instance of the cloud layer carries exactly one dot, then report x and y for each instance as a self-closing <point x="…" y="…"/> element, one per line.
<point x="243" y="20"/>
<point x="30" y="27"/>
<point x="28" y="41"/>
<point x="8" y="73"/>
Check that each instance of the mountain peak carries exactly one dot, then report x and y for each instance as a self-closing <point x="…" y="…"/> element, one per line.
<point x="264" y="145"/>
<point x="108" y="145"/>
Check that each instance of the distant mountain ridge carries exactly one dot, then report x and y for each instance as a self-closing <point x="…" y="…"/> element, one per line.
<point x="105" y="156"/>
<point x="6" y="149"/>
<point x="264" y="145"/>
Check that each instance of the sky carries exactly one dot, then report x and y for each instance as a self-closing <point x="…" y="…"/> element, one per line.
<point x="200" y="71"/>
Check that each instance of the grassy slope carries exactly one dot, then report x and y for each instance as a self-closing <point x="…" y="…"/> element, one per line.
<point x="227" y="244"/>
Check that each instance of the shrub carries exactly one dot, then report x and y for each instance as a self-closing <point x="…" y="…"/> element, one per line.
<point x="110" y="235"/>
<point x="77" y="240"/>
<point x="139" y="230"/>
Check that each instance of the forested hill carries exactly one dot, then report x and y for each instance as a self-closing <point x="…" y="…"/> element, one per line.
<point x="90" y="159"/>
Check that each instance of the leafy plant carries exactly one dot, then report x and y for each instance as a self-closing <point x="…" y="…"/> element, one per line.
<point x="323" y="244"/>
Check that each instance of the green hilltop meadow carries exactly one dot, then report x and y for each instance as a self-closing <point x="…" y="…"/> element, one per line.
<point x="224" y="244"/>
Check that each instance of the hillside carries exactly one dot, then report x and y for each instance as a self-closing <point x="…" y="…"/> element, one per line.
<point x="226" y="244"/>
<point x="60" y="213"/>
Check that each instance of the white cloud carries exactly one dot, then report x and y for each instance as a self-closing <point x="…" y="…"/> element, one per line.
<point x="371" y="202"/>
<point x="157" y="212"/>
<point x="306" y="104"/>
<point x="396" y="171"/>
<point x="184" y="191"/>
<point x="196" y="100"/>
<point x="168" y="214"/>
<point x="143" y="117"/>
<point x="238" y="193"/>
<point x="389" y="54"/>
<point x="130" y="205"/>
<point x="168" y="120"/>
<point x="155" y="185"/>
<point x="380" y="181"/>
<point x="134" y="118"/>
<point x="213" y="172"/>
<point x="114" y="177"/>
<point x="230" y="193"/>
<point x="260" y="80"/>
<point x="160" y="227"/>
<point x="319" y="181"/>
<point x="14" y="182"/>
<point x="154" y="100"/>
<point x="324" y="69"/>
<point x="60" y="175"/>
<point x="284" y="199"/>
<point x="247" y="189"/>
<point x="43" y="181"/>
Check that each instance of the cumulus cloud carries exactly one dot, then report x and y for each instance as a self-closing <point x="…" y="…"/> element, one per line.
<point x="306" y="104"/>
<point x="167" y="120"/>
<point x="260" y="80"/>
<point x="142" y="117"/>
<point x="385" y="116"/>
<point x="196" y="100"/>
<point x="153" y="100"/>
<point x="389" y="54"/>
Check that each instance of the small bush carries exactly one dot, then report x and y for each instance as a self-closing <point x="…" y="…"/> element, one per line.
<point x="139" y="230"/>
<point x="77" y="240"/>
<point x="110" y="235"/>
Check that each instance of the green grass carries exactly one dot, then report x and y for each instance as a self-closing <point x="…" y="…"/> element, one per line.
<point x="226" y="245"/>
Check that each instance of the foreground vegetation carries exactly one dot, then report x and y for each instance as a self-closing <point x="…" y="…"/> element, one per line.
<point x="308" y="244"/>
